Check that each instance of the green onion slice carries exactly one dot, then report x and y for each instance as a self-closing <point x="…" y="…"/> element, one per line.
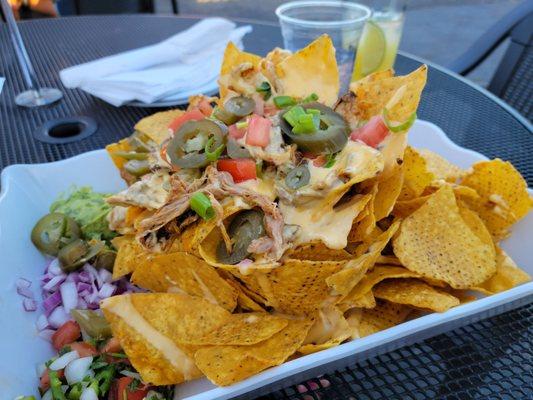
<point x="330" y="160"/>
<point x="242" y="125"/>
<point x="284" y="101"/>
<point x="265" y="89"/>
<point x="398" y="127"/>
<point x="210" y="154"/>
<point x="201" y="204"/>
<point x="312" y="97"/>
<point x="292" y="115"/>
<point x="307" y="123"/>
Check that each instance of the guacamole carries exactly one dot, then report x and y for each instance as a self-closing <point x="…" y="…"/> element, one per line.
<point x="89" y="209"/>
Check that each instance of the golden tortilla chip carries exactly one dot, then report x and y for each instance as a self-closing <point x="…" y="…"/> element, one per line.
<point x="413" y="292"/>
<point x="152" y="327"/>
<point x="242" y="329"/>
<point x="246" y="299"/>
<point x="385" y="315"/>
<point x="388" y="190"/>
<point x="378" y="274"/>
<point x="343" y="281"/>
<point x="365" y="301"/>
<point x="503" y="200"/>
<point x="404" y="208"/>
<point x="440" y="167"/>
<point x="233" y="57"/>
<point x="374" y="77"/>
<point x="507" y="276"/>
<point x="224" y="365"/>
<point x="130" y="254"/>
<point x="388" y="260"/>
<point x="435" y="242"/>
<point x="123" y="145"/>
<point x="329" y="329"/>
<point x="317" y="251"/>
<point x="183" y="273"/>
<point x="296" y="287"/>
<point x="416" y="175"/>
<point x="476" y="225"/>
<point x="155" y="126"/>
<point x="312" y="69"/>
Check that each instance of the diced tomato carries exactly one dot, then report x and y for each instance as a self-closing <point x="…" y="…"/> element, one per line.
<point x="258" y="131"/>
<point x="44" y="381"/>
<point x="84" y="349"/>
<point x="241" y="169"/>
<point x="235" y="132"/>
<point x="67" y="333"/>
<point x="112" y="346"/>
<point x="193" y="115"/>
<point x="205" y="107"/>
<point x="124" y="393"/>
<point x="372" y="133"/>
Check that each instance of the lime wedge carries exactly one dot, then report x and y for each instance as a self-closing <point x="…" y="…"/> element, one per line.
<point x="371" y="50"/>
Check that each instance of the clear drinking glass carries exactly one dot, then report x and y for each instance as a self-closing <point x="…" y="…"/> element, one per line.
<point x="381" y="36"/>
<point x="303" y="21"/>
<point x="35" y="96"/>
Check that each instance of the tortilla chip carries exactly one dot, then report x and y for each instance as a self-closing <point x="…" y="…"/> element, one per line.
<point x="244" y="300"/>
<point x="130" y="254"/>
<point x="365" y="301"/>
<point x="388" y="260"/>
<point x="503" y="200"/>
<point x="152" y="327"/>
<point x="343" y="281"/>
<point x="404" y="208"/>
<point x="181" y="272"/>
<point x="329" y="328"/>
<point x="378" y="274"/>
<point x="224" y="365"/>
<point x="388" y="190"/>
<point x="416" y="175"/>
<point x="312" y="69"/>
<point x="385" y="315"/>
<point x="477" y="226"/>
<point x="242" y="329"/>
<point x="507" y="276"/>
<point x="440" y="167"/>
<point x="435" y="242"/>
<point x="296" y="287"/>
<point x="233" y="56"/>
<point x="374" y="77"/>
<point x="317" y="251"/>
<point x="413" y="292"/>
<point x="123" y="145"/>
<point x="155" y="126"/>
<point x="364" y="226"/>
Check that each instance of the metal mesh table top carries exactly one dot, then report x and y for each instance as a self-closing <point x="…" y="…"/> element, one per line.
<point x="489" y="359"/>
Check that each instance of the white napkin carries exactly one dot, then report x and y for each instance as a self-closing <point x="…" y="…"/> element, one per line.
<point x="180" y="66"/>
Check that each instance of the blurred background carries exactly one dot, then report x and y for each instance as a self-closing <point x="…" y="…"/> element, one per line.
<point x="437" y="30"/>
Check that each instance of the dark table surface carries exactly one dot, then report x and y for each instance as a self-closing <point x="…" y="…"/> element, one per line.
<point x="489" y="359"/>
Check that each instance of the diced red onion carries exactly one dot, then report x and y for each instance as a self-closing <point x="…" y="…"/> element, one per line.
<point x="82" y="304"/>
<point x="54" y="267"/>
<point x="23" y="283"/>
<point x="84" y="276"/>
<point x="46" y="278"/>
<point x="105" y="275"/>
<point x="93" y="273"/>
<point x="69" y="295"/>
<point x="25" y="292"/>
<point x="64" y="360"/>
<point x="58" y="317"/>
<point x="107" y="290"/>
<point x="82" y="286"/>
<point x="54" y="282"/>
<point x="46" y="334"/>
<point x="51" y="302"/>
<point x="72" y="277"/>
<point x="42" y="322"/>
<point x="29" y="304"/>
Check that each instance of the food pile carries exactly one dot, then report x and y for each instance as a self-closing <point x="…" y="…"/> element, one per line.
<point x="279" y="220"/>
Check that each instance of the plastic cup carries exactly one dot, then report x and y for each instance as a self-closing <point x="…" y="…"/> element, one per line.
<point x="303" y="21"/>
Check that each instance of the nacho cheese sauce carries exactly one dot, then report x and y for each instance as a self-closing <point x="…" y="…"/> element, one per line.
<point x="125" y="310"/>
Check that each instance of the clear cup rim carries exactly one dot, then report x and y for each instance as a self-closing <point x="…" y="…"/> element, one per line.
<point x="317" y="24"/>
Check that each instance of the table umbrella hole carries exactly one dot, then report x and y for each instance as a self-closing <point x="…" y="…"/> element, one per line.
<point x="66" y="130"/>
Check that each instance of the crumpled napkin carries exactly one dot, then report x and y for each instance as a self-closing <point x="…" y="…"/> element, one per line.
<point x="182" y="65"/>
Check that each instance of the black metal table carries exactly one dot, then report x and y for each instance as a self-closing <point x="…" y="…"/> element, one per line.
<point x="489" y="359"/>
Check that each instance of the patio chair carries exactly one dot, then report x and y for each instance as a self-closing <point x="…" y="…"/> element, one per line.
<point x="513" y="79"/>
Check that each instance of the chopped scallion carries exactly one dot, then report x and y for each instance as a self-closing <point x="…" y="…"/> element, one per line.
<point x="242" y="125"/>
<point x="330" y="160"/>
<point x="306" y="124"/>
<point x="310" y="98"/>
<point x="291" y="116"/>
<point x="210" y="154"/>
<point x="201" y="204"/>
<point x="265" y="89"/>
<point x="398" y="127"/>
<point x="284" y="101"/>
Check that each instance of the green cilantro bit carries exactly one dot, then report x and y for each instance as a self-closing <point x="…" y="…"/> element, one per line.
<point x="55" y="386"/>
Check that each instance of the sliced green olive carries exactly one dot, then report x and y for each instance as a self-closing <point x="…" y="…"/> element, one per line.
<point x="331" y="136"/>
<point x="240" y="106"/>
<point x="243" y="230"/>
<point x="53" y="231"/>
<point x="137" y="167"/>
<point x="105" y="259"/>
<point x="131" y="155"/>
<point x="76" y="253"/>
<point x="235" y="150"/>
<point x="298" y="177"/>
<point x="92" y="323"/>
<point x="177" y="147"/>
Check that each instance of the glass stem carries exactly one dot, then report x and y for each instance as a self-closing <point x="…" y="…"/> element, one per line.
<point x="20" y="50"/>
